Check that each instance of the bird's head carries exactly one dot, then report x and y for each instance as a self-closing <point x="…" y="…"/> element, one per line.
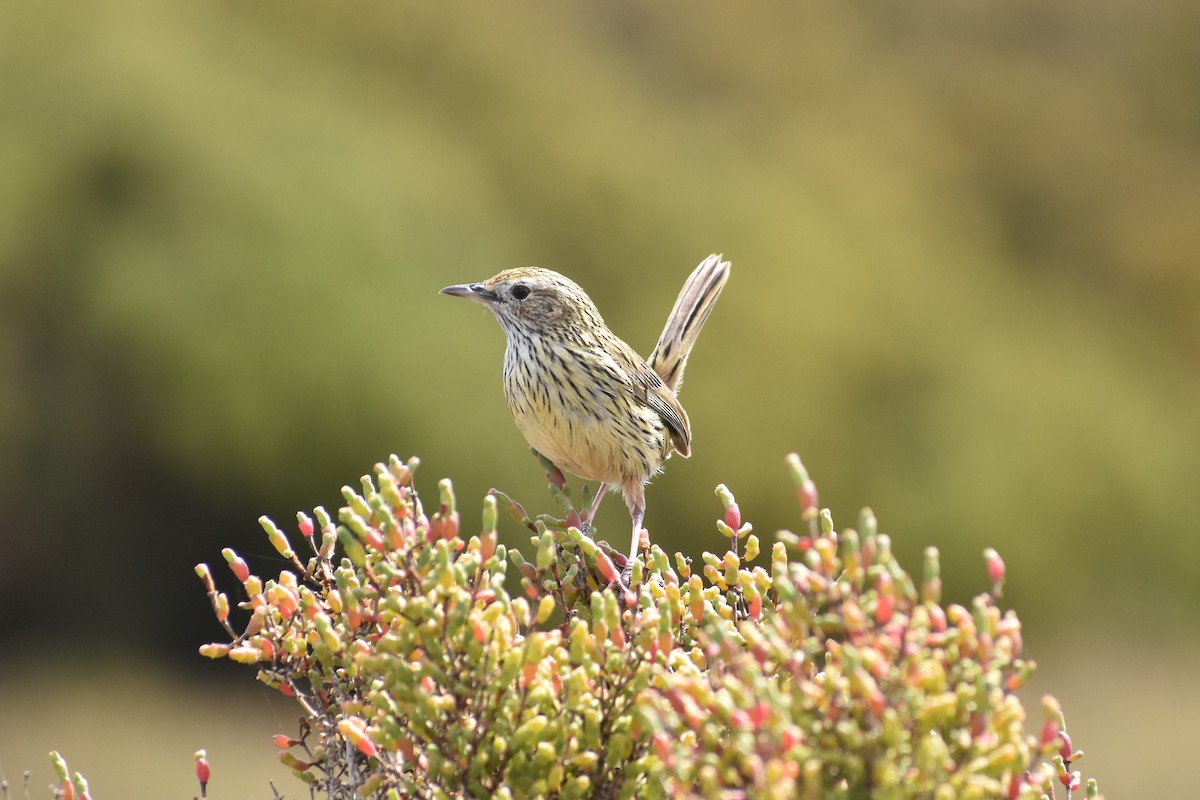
<point x="529" y="300"/>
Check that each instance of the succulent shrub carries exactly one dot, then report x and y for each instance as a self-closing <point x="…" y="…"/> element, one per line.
<point x="429" y="664"/>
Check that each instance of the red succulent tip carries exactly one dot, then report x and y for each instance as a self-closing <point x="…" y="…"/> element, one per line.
<point x="203" y="772"/>
<point x="1064" y="747"/>
<point x="733" y="516"/>
<point x="807" y="493"/>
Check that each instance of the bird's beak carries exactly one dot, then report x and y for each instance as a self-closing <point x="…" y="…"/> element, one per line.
<point x="473" y="291"/>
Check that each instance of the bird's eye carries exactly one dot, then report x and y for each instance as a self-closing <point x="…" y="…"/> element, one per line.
<point x="520" y="291"/>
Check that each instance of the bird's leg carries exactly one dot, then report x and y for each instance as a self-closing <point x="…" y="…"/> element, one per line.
<point x="637" y="511"/>
<point x="591" y="515"/>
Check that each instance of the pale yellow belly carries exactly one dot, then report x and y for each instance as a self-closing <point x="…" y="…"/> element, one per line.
<point x="591" y="428"/>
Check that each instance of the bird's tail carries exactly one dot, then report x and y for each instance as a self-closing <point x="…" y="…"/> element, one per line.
<point x="696" y="301"/>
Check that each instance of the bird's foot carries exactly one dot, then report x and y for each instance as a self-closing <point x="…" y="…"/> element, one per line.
<point x="621" y="587"/>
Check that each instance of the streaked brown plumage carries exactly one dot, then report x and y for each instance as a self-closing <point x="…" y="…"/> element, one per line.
<point x="582" y="397"/>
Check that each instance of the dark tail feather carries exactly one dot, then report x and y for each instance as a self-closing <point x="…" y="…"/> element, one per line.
<point x="695" y="303"/>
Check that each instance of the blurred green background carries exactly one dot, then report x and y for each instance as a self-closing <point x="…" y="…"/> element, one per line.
<point x="965" y="290"/>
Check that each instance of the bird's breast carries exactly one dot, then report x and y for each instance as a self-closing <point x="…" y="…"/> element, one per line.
<point x="576" y="406"/>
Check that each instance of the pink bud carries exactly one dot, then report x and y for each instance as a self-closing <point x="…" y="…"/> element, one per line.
<point x="285" y="599"/>
<point x="487" y="544"/>
<point x="374" y="540"/>
<point x="1064" y="747"/>
<point x="557" y="478"/>
<point x="618" y="637"/>
<point x="306" y="525"/>
<point x="937" y="618"/>
<point x="885" y="608"/>
<point x="355" y="730"/>
<point x="662" y="747"/>
<point x="733" y="516"/>
<point x="203" y="773"/>
<point x="450" y="526"/>
<point x="240" y="569"/>
<point x="756" y="607"/>
<point x="605" y="565"/>
<point x="1049" y="732"/>
<point x="807" y="492"/>
<point x="995" y="565"/>
<point x="886" y="604"/>
<point x="396" y="536"/>
<point x="283" y="742"/>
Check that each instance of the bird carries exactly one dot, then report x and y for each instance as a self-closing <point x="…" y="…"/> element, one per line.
<point x="581" y="396"/>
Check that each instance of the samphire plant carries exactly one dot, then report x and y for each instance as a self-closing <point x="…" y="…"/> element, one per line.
<point x="819" y="669"/>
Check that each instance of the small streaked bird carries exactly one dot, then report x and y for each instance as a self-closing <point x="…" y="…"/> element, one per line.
<point x="582" y="397"/>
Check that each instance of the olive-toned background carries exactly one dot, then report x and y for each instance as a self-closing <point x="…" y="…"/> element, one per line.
<point x="965" y="290"/>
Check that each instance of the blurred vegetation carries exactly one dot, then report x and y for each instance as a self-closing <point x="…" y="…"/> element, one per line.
<point x="964" y="285"/>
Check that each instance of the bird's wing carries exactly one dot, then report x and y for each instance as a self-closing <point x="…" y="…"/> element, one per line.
<point x="648" y="388"/>
<point x="667" y="406"/>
